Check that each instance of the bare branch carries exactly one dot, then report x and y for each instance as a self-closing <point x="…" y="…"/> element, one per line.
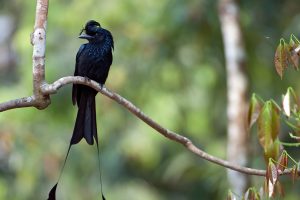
<point x="17" y="103"/>
<point x="38" y="40"/>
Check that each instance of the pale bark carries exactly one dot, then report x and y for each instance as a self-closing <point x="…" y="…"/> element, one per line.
<point x="237" y="146"/>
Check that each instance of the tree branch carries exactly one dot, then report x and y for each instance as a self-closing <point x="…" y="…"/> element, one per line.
<point x="17" y="103"/>
<point x="53" y="88"/>
<point x="48" y="89"/>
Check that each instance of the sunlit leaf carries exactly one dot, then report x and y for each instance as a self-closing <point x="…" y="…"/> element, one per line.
<point x="281" y="58"/>
<point x="290" y="102"/>
<point x="272" y="172"/>
<point x="271" y="189"/>
<point x="255" y="107"/>
<point x="286" y="104"/>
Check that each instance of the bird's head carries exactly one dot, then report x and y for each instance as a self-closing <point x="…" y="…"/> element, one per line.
<point x="94" y="33"/>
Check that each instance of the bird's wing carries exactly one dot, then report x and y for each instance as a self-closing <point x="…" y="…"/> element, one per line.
<point x="75" y="90"/>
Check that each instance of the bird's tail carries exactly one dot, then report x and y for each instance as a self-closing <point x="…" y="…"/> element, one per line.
<point x="85" y="125"/>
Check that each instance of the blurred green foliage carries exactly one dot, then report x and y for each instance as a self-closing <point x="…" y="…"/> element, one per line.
<point x="168" y="60"/>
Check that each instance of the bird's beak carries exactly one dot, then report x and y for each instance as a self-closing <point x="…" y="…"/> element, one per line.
<point x="85" y="36"/>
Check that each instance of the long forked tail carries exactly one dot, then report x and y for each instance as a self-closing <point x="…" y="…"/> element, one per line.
<point x="85" y="125"/>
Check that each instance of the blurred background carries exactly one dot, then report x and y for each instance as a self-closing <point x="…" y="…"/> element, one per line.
<point x="169" y="61"/>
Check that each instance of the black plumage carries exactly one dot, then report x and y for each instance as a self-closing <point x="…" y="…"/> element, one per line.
<point x="93" y="61"/>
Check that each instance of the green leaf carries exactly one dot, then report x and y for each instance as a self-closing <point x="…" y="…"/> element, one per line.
<point x="281" y="57"/>
<point x="251" y="194"/>
<point x="271" y="150"/>
<point x="268" y="124"/>
<point x="255" y="107"/>
<point x="230" y="196"/>
<point x="294" y="39"/>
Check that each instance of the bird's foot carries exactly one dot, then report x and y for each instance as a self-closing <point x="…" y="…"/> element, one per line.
<point x="101" y="85"/>
<point x="87" y="79"/>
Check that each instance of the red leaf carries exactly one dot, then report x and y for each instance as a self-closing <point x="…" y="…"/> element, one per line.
<point x="281" y="58"/>
<point x="282" y="162"/>
<point x="294" y="173"/>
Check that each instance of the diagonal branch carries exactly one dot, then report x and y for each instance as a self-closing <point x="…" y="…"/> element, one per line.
<point x="52" y="88"/>
<point x="48" y="89"/>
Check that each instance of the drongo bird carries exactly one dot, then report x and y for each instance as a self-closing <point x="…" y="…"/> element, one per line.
<point x="93" y="61"/>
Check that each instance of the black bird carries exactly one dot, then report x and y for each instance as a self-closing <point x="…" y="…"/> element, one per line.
<point x="93" y="61"/>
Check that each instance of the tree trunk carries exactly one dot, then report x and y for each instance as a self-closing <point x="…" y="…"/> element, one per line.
<point x="237" y="149"/>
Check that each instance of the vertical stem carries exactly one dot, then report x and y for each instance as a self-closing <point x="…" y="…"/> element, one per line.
<point x="38" y="41"/>
<point x="237" y="147"/>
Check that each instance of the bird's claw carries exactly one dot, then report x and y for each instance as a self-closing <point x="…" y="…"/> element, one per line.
<point x="87" y="79"/>
<point x="101" y="85"/>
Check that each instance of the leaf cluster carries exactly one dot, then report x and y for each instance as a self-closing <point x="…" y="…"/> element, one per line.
<point x="287" y="54"/>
